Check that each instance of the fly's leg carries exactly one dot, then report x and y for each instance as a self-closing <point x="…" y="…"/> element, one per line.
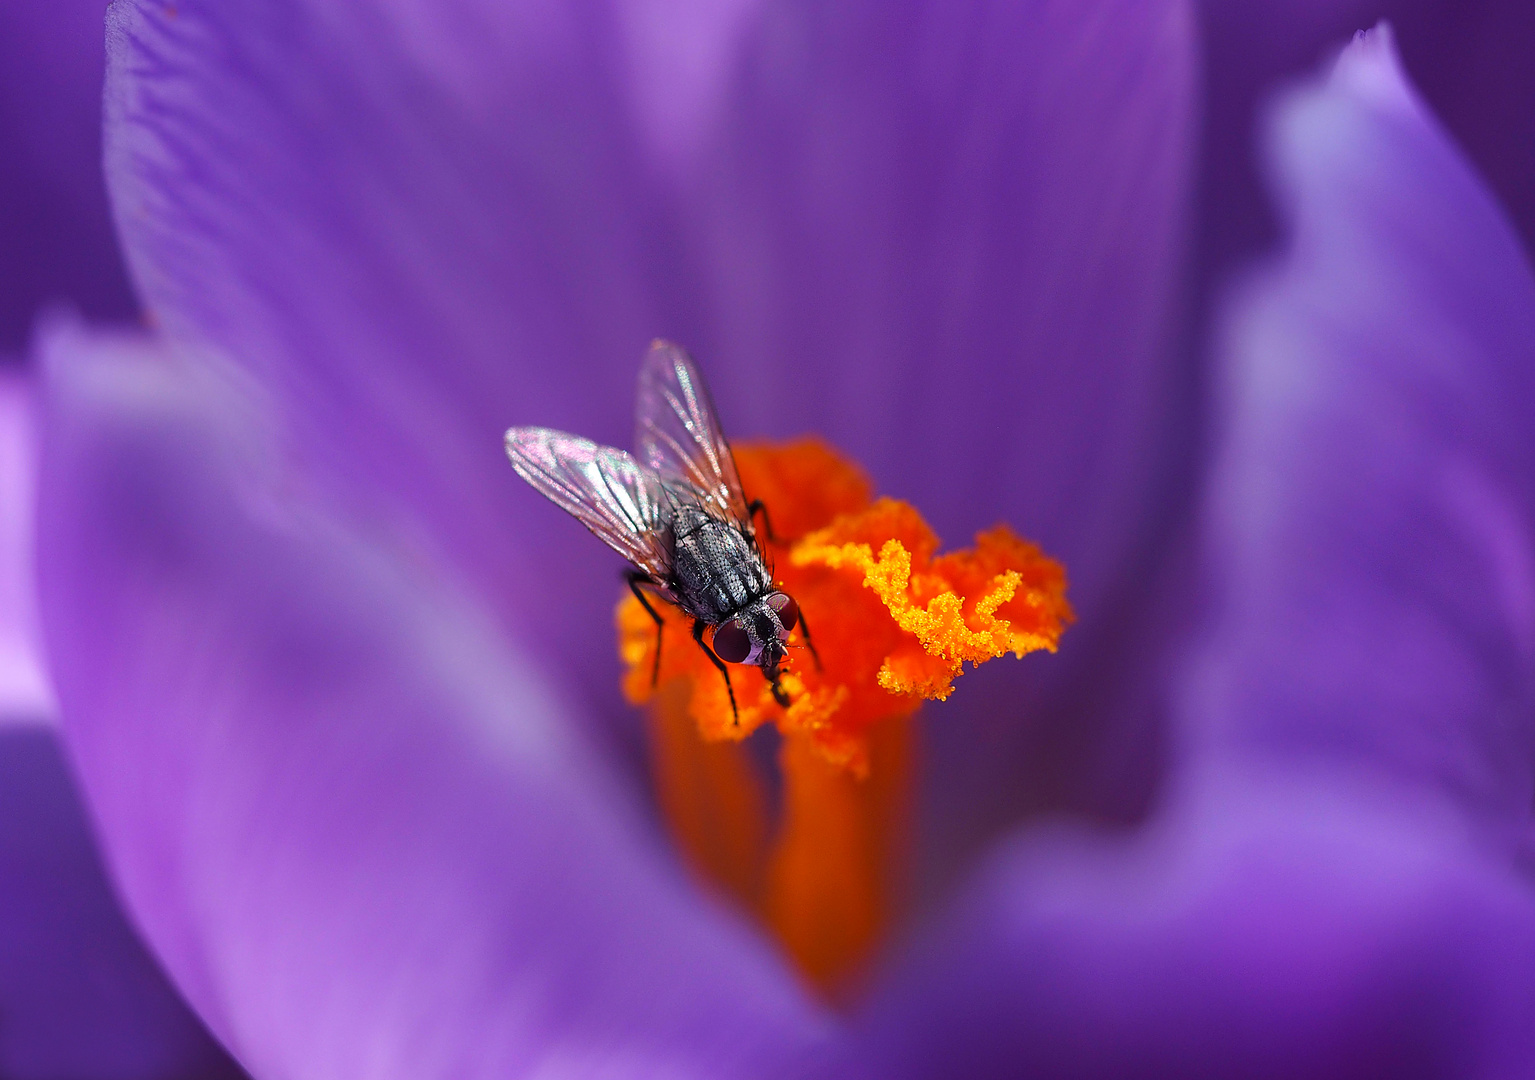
<point x="755" y="507"/>
<point x="774" y="673"/>
<point x="635" y="580"/>
<point x="698" y="636"/>
<point x="779" y="695"/>
<point x="804" y="628"/>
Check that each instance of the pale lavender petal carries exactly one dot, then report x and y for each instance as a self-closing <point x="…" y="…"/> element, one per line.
<point x="1469" y="59"/>
<point x="1251" y="52"/>
<point x="1262" y="929"/>
<point x="943" y="235"/>
<point x="25" y="693"/>
<point x="80" y="996"/>
<point x="1372" y="514"/>
<point x="56" y="240"/>
<point x="357" y="828"/>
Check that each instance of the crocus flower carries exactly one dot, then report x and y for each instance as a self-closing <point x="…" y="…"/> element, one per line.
<point x="343" y="697"/>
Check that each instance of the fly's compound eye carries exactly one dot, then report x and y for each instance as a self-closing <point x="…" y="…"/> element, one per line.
<point x="787" y="610"/>
<point x="731" y="643"/>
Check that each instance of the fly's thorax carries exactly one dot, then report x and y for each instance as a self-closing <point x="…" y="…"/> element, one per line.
<point x="717" y="570"/>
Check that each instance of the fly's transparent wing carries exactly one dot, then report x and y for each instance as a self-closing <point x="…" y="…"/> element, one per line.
<point x="678" y="433"/>
<point x="609" y="492"/>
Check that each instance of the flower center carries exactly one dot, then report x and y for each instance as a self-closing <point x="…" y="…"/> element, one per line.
<point x="893" y="624"/>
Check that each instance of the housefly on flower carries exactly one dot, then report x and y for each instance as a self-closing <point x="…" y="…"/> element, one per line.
<point x="678" y="514"/>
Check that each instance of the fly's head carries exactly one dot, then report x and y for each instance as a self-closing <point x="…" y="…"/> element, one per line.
<point x="759" y="634"/>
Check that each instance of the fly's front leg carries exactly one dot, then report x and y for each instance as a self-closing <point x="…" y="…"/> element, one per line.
<point x="804" y="628"/>
<point x="635" y="579"/>
<point x="779" y="694"/>
<point x="755" y="507"/>
<point x="698" y="636"/>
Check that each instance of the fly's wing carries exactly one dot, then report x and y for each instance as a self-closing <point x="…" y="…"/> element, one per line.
<point x="679" y="435"/>
<point x="605" y="489"/>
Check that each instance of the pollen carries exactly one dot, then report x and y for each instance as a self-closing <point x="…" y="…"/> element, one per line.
<point x="894" y="623"/>
<point x="1017" y="596"/>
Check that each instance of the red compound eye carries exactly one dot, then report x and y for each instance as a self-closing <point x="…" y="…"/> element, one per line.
<point x="731" y="643"/>
<point x="787" y="609"/>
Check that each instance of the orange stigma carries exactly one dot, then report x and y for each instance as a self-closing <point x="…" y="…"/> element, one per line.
<point x="894" y="623"/>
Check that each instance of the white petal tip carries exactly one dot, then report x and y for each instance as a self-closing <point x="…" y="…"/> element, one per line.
<point x="1371" y="68"/>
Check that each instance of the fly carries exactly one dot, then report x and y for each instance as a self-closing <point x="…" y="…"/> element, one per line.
<point x="678" y="514"/>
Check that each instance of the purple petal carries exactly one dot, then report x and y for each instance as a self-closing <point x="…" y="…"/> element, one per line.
<point x="1472" y="63"/>
<point x="25" y="693"/>
<point x="357" y="828"/>
<point x="79" y="995"/>
<point x="419" y="223"/>
<point x="56" y="240"/>
<point x="1313" y="905"/>
<point x="1468" y="59"/>
<point x="944" y="236"/>
<point x="1250" y="52"/>
<point x="1373" y="511"/>
<point x="1263" y="929"/>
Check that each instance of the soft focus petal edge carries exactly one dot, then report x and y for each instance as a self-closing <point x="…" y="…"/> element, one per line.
<point x="1371" y="514"/>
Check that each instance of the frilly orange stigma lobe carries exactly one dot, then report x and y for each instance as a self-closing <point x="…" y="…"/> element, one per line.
<point x="894" y="622"/>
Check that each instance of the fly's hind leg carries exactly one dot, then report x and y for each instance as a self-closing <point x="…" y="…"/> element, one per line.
<point x="698" y="636"/>
<point x="635" y="579"/>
